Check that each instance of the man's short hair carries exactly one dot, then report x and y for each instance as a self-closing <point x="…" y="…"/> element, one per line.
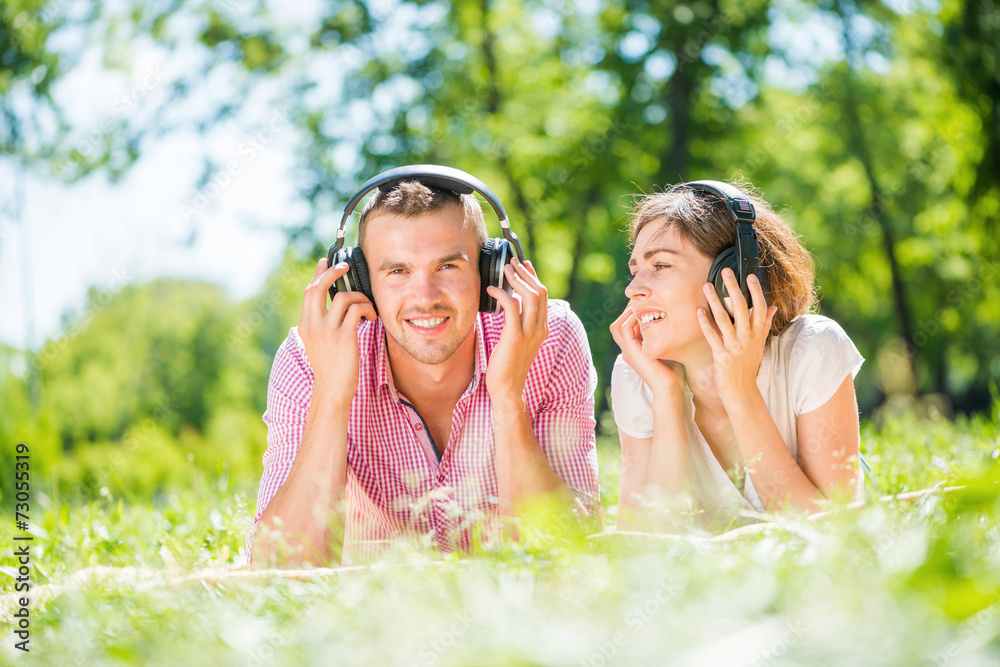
<point x="410" y="199"/>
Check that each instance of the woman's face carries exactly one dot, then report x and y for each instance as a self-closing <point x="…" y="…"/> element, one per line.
<point x="668" y="274"/>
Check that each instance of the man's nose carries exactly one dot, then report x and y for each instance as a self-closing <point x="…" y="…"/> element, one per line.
<point x="425" y="287"/>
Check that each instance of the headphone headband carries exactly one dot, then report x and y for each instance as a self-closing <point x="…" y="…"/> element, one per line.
<point x="438" y="176"/>
<point x="744" y="256"/>
<point x="737" y="203"/>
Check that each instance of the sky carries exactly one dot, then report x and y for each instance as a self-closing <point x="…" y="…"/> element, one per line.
<point x="108" y="236"/>
<point x="58" y="239"/>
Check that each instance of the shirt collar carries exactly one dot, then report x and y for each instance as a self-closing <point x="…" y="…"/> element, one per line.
<point x="383" y="375"/>
<point x="482" y="361"/>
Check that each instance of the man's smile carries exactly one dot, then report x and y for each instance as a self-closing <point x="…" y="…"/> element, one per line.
<point x="428" y="325"/>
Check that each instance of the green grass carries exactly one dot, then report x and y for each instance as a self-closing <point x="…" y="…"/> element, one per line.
<point x="895" y="584"/>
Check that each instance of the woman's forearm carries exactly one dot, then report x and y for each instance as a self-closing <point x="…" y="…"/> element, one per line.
<point x="776" y="475"/>
<point x="655" y="470"/>
<point x="669" y="469"/>
<point x="668" y="472"/>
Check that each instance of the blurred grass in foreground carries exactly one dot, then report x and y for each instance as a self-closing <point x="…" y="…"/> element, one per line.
<point x="905" y="583"/>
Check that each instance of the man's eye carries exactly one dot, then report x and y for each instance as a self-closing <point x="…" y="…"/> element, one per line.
<point x="397" y="272"/>
<point x="448" y="266"/>
<point x="661" y="266"/>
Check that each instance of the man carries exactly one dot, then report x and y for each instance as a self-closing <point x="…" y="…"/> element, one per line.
<point x="431" y="417"/>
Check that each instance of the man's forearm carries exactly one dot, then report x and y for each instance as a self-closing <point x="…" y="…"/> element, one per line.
<point x="301" y="524"/>
<point x="523" y="472"/>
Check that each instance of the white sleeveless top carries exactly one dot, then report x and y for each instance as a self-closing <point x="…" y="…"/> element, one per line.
<point x="800" y="371"/>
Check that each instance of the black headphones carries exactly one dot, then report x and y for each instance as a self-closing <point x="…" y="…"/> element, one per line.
<point x="744" y="257"/>
<point x="493" y="256"/>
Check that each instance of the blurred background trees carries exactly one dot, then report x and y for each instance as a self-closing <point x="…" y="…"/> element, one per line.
<point x="873" y="126"/>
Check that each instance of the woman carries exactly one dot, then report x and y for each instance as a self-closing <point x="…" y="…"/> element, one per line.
<point x="753" y="410"/>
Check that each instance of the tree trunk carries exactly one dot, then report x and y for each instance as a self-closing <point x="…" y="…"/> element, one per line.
<point x="677" y="158"/>
<point x="494" y="102"/>
<point x="579" y="246"/>
<point x="879" y="205"/>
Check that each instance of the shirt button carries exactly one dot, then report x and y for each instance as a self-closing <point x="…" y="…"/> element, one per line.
<point x="419" y="427"/>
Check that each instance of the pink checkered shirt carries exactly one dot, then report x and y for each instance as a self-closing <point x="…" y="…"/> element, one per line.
<point x="395" y="484"/>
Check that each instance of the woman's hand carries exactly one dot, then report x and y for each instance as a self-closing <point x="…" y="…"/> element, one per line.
<point x="737" y="343"/>
<point x="666" y="380"/>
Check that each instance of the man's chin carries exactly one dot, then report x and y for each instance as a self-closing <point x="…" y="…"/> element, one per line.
<point x="427" y="355"/>
<point x="430" y="354"/>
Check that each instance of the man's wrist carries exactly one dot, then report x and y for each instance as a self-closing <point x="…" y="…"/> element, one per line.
<point x="509" y="409"/>
<point x="508" y="406"/>
<point x="332" y="399"/>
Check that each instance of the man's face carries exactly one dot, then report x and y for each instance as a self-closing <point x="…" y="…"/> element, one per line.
<point x="425" y="279"/>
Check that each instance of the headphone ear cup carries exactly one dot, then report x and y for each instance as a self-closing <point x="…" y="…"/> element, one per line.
<point x="493" y="257"/>
<point x="356" y="279"/>
<point x="485" y="276"/>
<point x="765" y="284"/>
<point x="342" y="284"/>
<point x="725" y="259"/>
<point x="359" y="268"/>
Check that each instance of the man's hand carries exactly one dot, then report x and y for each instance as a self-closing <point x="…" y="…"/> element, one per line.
<point x="525" y="328"/>
<point x="330" y="335"/>
<point x="303" y="522"/>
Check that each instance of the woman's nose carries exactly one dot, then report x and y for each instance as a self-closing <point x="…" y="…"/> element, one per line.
<point x="636" y="287"/>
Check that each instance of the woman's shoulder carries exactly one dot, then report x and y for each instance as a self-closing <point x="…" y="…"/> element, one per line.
<point x="631" y="401"/>
<point x="810" y="323"/>
<point x="811" y="331"/>
<point x="813" y="356"/>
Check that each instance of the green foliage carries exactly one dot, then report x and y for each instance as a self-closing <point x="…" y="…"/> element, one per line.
<point x="936" y="450"/>
<point x="882" y="152"/>
<point x="23" y="32"/>
<point x="150" y="382"/>
<point x="39" y="433"/>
